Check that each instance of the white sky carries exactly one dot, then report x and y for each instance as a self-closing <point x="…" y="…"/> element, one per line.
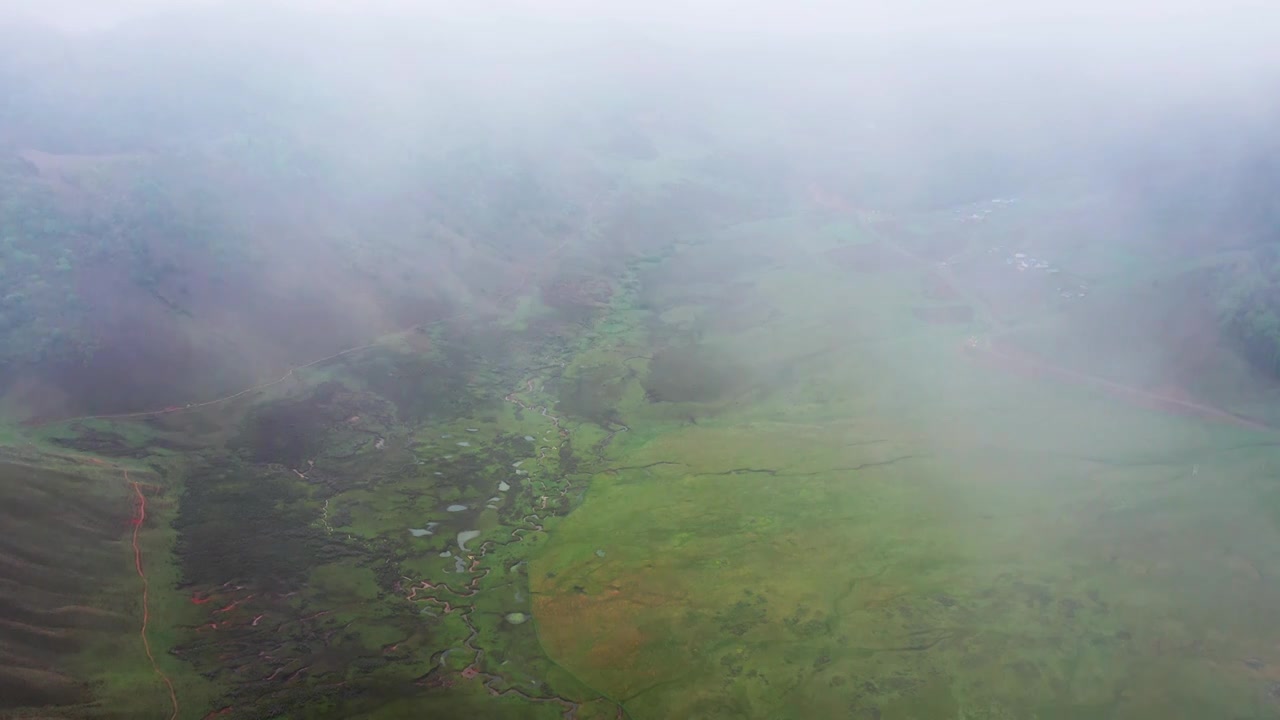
<point x="883" y="16"/>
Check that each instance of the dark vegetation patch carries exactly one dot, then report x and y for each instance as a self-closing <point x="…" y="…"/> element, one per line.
<point x="808" y="624"/>
<point x="743" y="616"/>
<point x="312" y="666"/>
<point x="578" y="298"/>
<point x="740" y="307"/>
<point x="593" y="394"/>
<point x="547" y="330"/>
<point x="703" y="267"/>
<point x="693" y="277"/>
<point x="248" y="541"/>
<point x="101" y="442"/>
<point x="292" y="431"/>
<point x="422" y="388"/>
<point x="250" y="529"/>
<point x="135" y="359"/>
<point x="342" y="666"/>
<point x="112" y="444"/>
<point x="643" y="229"/>
<point x="649" y="225"/>
<point x="1248" y="308"/>
<point x="944" y="314"/>
<point x="245" y="523"/>
<point x="568" y="460"/>
<point x="689" y="373"/>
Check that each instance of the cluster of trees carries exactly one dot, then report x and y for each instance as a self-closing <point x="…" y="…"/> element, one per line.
<point x="1214" y="185"/>
<point x="56" y="241"/>
<point x="41" y="314"/>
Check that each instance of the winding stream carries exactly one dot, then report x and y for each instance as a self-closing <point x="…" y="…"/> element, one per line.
<point x="439" y="677"/>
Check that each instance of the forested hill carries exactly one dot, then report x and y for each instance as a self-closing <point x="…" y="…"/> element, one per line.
<point x="1211" y="183"/>
<point x="191" y="204"/>
<point x="173" y="229"/>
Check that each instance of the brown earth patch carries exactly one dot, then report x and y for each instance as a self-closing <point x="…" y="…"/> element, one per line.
<point x="599" y="636"/>
<point x="613" y="631"/>
<point x="1028" y="364"/>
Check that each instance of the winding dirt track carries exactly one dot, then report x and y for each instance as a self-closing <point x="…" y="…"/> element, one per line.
<point x="139" y="517"/>
<point x="1032" y="365"/>
<point x="1027" y="364"/>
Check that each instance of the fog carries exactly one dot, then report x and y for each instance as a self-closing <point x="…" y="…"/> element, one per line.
<point x="1030" y="87"/>
<point x="654" y="360"/>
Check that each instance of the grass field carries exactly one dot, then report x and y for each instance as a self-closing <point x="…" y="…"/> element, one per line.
<point x="869" y="524"/>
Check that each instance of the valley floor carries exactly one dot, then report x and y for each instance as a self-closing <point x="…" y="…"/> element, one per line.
<point x="775" y="473"/>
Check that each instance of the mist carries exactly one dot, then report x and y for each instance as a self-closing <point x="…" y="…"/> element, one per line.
<point x="715" y="360"/>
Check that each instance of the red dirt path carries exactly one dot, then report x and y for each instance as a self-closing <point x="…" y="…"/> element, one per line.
<point x="1025" y="363"/>
<point x="139" y="517"/>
